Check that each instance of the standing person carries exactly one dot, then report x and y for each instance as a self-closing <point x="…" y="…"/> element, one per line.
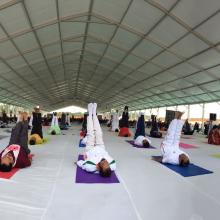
<point x="36" y="122"/>
<point x="16" y="153"/>
<point x="96" y="158"/>
<point x="170" y="150"/>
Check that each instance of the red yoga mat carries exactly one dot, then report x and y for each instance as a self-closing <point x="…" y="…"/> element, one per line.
<point x="8" y="175"/>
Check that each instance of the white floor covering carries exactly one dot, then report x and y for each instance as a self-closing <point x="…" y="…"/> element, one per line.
<point x="147" y="190"/>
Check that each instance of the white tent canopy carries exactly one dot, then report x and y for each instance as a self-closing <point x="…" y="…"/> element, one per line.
<point x="145" y="54"/>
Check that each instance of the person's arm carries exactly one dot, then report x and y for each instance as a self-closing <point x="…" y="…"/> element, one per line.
<point x="88" y="166"/>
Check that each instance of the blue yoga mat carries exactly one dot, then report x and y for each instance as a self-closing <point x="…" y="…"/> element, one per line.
<point x="190" y="170"/>
<point x="81" y="144"/>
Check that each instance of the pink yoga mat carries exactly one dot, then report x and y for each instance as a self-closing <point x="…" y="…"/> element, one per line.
<point x="8" y="175"/>
<point x="187" y="146"/>
<point x="187" y="137"/>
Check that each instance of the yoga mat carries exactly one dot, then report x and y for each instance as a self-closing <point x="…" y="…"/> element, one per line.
<point x="187" y="171"/>
<point x="187" y="146"/>
<point x="8" y="175"/>
<point x="216" y="155"/>
<point x="81" y="144"/>
<point x="84" y="177"/>
<point x="187" y="137"/>
<point x="134" y="145"/>
<point x="45" y="140"/>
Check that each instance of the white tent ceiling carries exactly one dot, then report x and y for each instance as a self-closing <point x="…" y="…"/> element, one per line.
<point x="144" y="54"/>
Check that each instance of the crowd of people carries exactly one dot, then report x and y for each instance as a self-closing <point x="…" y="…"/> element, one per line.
<point x="96" y="159"/>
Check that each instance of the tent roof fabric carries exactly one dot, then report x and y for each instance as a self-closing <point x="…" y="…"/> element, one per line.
<point x="140" y="53"/>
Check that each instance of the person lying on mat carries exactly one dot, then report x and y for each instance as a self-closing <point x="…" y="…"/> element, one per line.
<point x="171" y="152"/>
<point x="35" y="139"/>
<point x="54" y="128"/>
<point x="96" y="158"/>
<point x="154" y="132"/>
<point x="36" y="122"/>
<point x="124" y="124"/>
<point x="139" y="137"/>
<point x="16" y="153"/>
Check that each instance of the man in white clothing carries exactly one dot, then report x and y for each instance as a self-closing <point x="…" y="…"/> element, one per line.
<point x="115" y="122"/>
<point x="96" y="158"/>
<point x="142" y="141"/>
<point x="171" y="152"/>
<point x="139" y="137"/>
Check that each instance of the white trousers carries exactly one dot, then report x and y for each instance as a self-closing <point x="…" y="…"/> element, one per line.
<point x="94" y="133"/>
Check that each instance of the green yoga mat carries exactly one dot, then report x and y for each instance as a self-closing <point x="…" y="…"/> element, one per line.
<point x="216" y="155"/>
<point x="45" y="140"/>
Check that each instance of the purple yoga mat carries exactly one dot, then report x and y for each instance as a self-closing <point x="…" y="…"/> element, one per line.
<point x="84" y="177"/>
<point x="137" y="146"/>
<point x="187" y="146"/>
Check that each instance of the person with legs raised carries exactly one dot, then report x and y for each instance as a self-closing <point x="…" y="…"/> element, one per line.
<point x="96" y="158"/>
<point x="139" y="137"/>
<point x="170" y="150"/>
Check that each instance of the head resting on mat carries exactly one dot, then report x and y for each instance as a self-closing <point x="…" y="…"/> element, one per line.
<point x="32" y="141"/>
<point x="183" y="160"/>
<point x="104" y="168"/>
<point x="6" y="163"/>
<point x="53" y="132"/>
<point x="145" y="143"/>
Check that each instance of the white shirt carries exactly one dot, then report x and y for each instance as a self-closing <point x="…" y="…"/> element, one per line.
<point x="94" y="156"/>
<point x="170" y="145"/>
<point x="139" y="140"/>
